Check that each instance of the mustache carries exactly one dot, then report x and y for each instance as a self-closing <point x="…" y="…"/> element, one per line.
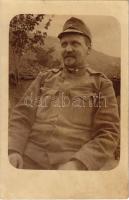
<point x="65" y="55"/>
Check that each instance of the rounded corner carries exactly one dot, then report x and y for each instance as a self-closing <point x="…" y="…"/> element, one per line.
<point x="13" y="19"/>
<point x="111" y="166"/>
<point x="12" y="166"/>
<point x="117" y="21"/>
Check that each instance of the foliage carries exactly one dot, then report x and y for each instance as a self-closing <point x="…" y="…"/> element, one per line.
<point x="23" y="36"/>
<point x="40" y="59"/>
<point x="20" y="27"/>
<point x="44" y="56"/>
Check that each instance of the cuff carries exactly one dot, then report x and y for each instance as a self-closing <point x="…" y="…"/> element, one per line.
<point x="80" y="164"/>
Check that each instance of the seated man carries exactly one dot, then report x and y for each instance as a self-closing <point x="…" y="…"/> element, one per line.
<point x="68" y="118"/>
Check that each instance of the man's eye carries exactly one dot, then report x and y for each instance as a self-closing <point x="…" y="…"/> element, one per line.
<point x="64" y="44"/>
<point x="75" y="44"/>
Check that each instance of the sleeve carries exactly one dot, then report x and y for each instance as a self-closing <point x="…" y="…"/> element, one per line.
<point x="97" y="151"/>
<point x="23" y="115"/>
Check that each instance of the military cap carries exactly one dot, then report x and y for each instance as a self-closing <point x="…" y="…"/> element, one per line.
<point x="75" y="25"/>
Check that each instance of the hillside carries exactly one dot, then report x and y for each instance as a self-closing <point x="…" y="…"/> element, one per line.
<point x="97" y="60"/>
<point x="30" y="65"/>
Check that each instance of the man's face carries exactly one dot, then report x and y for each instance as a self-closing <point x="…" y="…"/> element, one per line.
<point x="74" y="50"/>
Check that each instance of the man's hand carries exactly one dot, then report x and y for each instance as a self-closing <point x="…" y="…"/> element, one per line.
<point x="72" y="165"/>
<point x="16" y="160"/>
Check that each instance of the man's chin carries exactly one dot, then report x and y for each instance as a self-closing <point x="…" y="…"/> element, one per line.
<point x="70" y="68"/>
<point x="69" y="61"/>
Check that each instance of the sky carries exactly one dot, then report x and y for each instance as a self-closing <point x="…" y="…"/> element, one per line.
<point x="105" y="30"/>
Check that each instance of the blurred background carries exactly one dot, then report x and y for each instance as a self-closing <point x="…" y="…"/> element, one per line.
<point x="34" y="47"/>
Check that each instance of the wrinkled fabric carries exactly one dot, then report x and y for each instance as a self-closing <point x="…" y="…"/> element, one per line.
<point x="64" y="116"/>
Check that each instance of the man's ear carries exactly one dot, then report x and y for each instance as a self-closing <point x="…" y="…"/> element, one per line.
<point x="89" y="50"/>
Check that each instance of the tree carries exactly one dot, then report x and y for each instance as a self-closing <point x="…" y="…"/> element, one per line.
<point x="44" y="56"/>
<point x="24" y="36"/>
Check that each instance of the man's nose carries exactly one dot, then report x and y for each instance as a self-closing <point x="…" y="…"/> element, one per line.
<point x="69" y="48"/>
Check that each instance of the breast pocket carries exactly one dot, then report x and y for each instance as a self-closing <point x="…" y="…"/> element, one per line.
<point x="48" y="95"/>
<point x="82" y="107"/>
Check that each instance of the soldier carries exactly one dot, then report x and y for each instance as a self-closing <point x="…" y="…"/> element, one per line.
<point x="68" y="118"/>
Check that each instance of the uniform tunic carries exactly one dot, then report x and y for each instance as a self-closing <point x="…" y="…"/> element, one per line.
<point x="64" y="116"/>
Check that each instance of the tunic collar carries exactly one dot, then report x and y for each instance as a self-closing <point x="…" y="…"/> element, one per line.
<point x="76" y="73"/>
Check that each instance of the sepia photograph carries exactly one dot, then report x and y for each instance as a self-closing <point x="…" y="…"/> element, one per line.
<point x="64" y="99"/>
<point x="64" y="92"/>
